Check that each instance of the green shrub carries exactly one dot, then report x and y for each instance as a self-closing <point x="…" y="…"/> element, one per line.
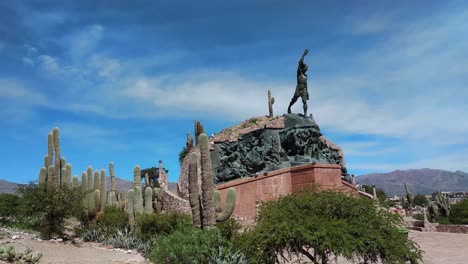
<point x="9" y="205"/>
<point x="52" y="204"/>
<point x="321" y="224"/>
<point x="459" y="213"/>
<point x="419" y="217"/>
<point x="229" y="228"/>
<point x="443" y="220"/>
<point x="191" y="246"/>
<point x="149" y="225"/>
<point x="115" y="218"/>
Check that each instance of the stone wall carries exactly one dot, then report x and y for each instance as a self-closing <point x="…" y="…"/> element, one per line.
<point x="172" y="202"/>
<point x="271" y="185"/>
<point x="453" y="228"/>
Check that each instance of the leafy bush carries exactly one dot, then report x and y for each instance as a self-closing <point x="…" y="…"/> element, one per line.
<point x="322" y="224"/>
<point x="229" y="228"/>
<point x="420" y="199"/>
<point x="419" y="217"/>
<point x="8" y="205"/>
<point x="459" y="213"/>
<point x="115" y="218"/>
<point x="149" y="225"/>
<point x="192" y="246"/>
<point x="52" y="204"/>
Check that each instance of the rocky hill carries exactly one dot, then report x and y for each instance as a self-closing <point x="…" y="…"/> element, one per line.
<point x="423" y="181"/>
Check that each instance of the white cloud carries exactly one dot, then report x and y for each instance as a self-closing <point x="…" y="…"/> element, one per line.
<point x="27" y="61"/>
<point x="48" y="64"/>
<point x="84" y="42"/>
<point x="371" y="24"/>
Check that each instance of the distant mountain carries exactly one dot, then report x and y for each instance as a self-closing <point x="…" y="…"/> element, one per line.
<point x="8" y="187"/>
<point x="424" y="181"/>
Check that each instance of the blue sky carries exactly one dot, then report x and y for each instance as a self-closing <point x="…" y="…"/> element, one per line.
<point x="124" y="80"/>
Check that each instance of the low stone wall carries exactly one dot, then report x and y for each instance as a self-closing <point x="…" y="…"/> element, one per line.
<point x="461" y="229"/>
<point x="271" y="185"/>
<point x="172" y="202"/>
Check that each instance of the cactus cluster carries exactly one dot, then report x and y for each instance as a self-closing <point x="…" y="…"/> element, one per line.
<point x="135" y="203"/>
<point x="271" y="101"/>
<point x="443" y="204"/>
<point x="55" y="170"/>
<point x="206" y="206"/>
<point x="432" y="211"/>
<point x="9" y="254"/>
<point x="198" y="130"/>
<point x="94" y="185"/>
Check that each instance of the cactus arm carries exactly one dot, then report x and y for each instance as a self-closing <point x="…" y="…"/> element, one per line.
<point x="194" y="195"/>
<point x="148" y="200"/>
<point x="225" y="213"/>
<point x="129" y="205"/>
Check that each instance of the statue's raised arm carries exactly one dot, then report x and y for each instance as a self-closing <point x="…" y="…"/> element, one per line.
<point x="301" y="61"/>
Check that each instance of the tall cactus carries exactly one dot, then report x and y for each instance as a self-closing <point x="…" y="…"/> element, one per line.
<point x="194" y="195"/>
<point x="223" y="214"/>
<point x="432" y="211"/>
<point x="271" y="101"/>
<point x="137" y="177"/>
<point x="409" y="199"/>
<point x="42" y="175"/>
<point x="148" y="200"/>
<point x="131" y="215"/>
<point x="198" y="131"/>
<point x="75" y="181"/>
<point x="204" y="205"/>
<point x="209" y="219"/>
<point x="158" y="194"/>
<point x="443" y="203"/>
<point x="112" y="196"/>
<point x="56" y="135"/>
<point x="102" y="189"/>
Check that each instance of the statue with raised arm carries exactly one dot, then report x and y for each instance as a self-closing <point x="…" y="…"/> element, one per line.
<point x="301" y="88"/>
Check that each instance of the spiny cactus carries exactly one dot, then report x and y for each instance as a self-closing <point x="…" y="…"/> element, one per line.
<point x="75" y="181"/>
<point x="42" y="175"/>
<point x="112" y="196"/>
<point x="102" y="189"/>
<point x="56" y="135"/>
<point x="194" y="195"/>
<point x="9" y="254"/>
<point x="61" y="173"/>
<point x="271" y="101"/>
<point x="130" y="211"/>
<point x="198" y="131"/>
<point x="148" y="200"/>
<point x="223" y="214"/>
<point x="158" y="194"/>
<point x="209" y="220"/>
<point x="203" y="204"/>
<point x="432" y="211"/>
<point x="443" y="203"/>
<point x="409" y="199"/>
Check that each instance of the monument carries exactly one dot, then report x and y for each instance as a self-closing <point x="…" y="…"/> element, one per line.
<point x="301" y="87"/>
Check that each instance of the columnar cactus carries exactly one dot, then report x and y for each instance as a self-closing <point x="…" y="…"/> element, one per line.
<point x="56" y="135"/>
<point x="131" y="215"/>
<point x="158" y="194"/>
<point x="223" y="214"/>
<point x="443" y="203"/>
<point x="194" y="195"/>
<point x="208" y="220"/>
<point x="271" y="101"/>
<point x="102" y="189"/>
<point x="205" y="210"/>
<point x="137" y="177"/>
<point x="148" y="200"/>
<point x="432" y="211"/>
<point x="75" y="181"/>
<point x="96" y="184"/>
<point x="67" y="177"/>
<point x="112" y="196"/>
<point x="409" y="199"/>
<point x="198" y="131"/>
<point x="42" y="175"/>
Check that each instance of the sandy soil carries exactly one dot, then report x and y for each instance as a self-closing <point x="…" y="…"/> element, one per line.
<point x="67" y="252"/>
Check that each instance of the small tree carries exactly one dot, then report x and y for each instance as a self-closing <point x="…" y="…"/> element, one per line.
<point x="320" y="225"/>
<point x="459" y="213"/>
<point x="421" y="200"/>
<point x="53" y="203"/>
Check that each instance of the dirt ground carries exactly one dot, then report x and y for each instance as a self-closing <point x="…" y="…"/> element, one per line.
<point x="67" y="252"/>
<point x="440" y="248"/>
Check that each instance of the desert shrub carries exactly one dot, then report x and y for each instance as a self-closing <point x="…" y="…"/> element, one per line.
<point x="115" y="218"/>
<point x="8" y="205"/>
<point x="443" y="220"/>
<point x="193" y="246"/>
<point x="459" y="213"/>
<point x="420" y="199"/>
<point x="52" y="204"/>
<point x="419" y="217"/>
<point x="229" y="228"/>
<point x="321" y="224"/>
<point x="149" y="225"/>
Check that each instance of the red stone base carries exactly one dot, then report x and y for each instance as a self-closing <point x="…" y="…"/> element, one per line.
<point x="274" y="184"/>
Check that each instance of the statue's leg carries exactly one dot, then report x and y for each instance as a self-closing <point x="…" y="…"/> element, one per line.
<point x="293" y="101"/>
<point x="304" y="103"/>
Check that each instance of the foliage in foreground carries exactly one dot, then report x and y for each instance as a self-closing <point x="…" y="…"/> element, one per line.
<point x="9" y="254"/>
<point x="52" y="204"/>
<point x="320" y="225"/>
<point x="149" y="225"/>
<point x="194" y="246"/>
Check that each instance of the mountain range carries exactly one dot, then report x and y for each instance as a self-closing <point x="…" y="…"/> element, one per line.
<point x="425" y="181"/>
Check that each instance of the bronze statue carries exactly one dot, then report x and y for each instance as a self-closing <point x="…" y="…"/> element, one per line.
<point x="301" y="88"/>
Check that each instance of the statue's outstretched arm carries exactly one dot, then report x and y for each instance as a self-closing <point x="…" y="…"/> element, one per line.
<point x="301" y="61"/>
